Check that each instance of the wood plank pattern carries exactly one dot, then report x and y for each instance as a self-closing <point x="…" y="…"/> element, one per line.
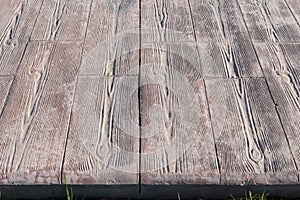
<point x="177" y="144"/>
<point x="138" y="93"/>
<point x="166" y="21"/>
<point x="14" y="38"/>
<point x="62" y="20"/>
<point x="103" y="148"/>
<point x="5" y="83"/>
<point x="250" y="141"/>
<point x="112" y="36"/>
<point x="221" y="22"/>
<point x="270" y="21"/>
<point x="281" y="66"/>
<point x="108" y="76"/>
<point x="35" y="119"/>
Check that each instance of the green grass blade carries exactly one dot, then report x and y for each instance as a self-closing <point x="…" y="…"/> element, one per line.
<point x="178" y="196"/>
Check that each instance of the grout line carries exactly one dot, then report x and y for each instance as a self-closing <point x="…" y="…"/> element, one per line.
<point x="7" y="75"/>
<point x="139" y="99"/>
<point x="75" y="89"/>
<point x="206" y="96"/>
<point x="285" y="133"/>
<point x="57" y="41"/>
<point x="7" y="96"/>
<point x="291" y="12"/>
<point x="48" y="64"/>
<point x="28" y="40"/>
<point x="231" y="78"/>
<point x="36" y="19"/>
<point x="195" y="37"/>
<point x="213" y="133"/>
<point x="62" y="175"/>
<point x="136" y="75"/>
<point x="107" y="76"/>
<point x="19" y="64"/>
<point x="206" y="41"/>
<point x="277" y="42"/>
<point x="268" y="86"/>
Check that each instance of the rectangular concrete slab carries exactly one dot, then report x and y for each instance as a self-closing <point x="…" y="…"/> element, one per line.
<point x="16" y="32"/>
<point x="103" y="139"/>
<point x="35" y="119"/>
<point x="177" y="142"/>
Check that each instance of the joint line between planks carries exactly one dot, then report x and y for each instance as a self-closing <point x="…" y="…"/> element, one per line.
<point x="55" y="41"/>
<point x="206" y="96"/>
<point x="232" y="78"/>
<point x="195" y="37"/>
<point x="35" y="21"/>
<point x="75" y="89"/>
<point x="277" y="112"/>
<point x="7" y="75"/>
<point x="139" y="99"/>
<point x="42" y="92"/>
<point x="13" y="80"/>
<point x="285" y="134"/>
<point x="8" y="94"/>
<point x="213" y="133"/>
<point x="26" y="46"/>
<point x="277" y="42"/>
<point x="293" y="14"/>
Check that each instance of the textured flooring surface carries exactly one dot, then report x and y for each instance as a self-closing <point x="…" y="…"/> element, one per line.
<point x="143" y="92"/>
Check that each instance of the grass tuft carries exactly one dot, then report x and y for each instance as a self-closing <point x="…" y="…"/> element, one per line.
<point x="251" y="196"/>
<point x="69" y="190"/>
<point x="178" y="196"/>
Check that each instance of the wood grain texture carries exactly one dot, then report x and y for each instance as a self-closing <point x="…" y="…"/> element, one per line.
<point x="108" y="79"/>
<point x="166" y="21"/>
<point x="251" y="144"/>
<point x="112" y="36"/>
<point x="103" y="142"/>
<point x="154" y="92"/>
<point x="35" y="119"/>
<point x="177" y="144"/>
<point x="62" y="20"/>
<point x="221" y="22"/>
<point x="16" y="33"/>
<point x="5" y="83"/>
<point x="281" y="66"/>
<point x="294" y="6"/>
<point x="270" y="21"/>
<point x="6" y="12"/>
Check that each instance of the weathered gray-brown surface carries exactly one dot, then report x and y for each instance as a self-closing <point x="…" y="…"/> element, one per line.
<point x="143" y="92"/>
